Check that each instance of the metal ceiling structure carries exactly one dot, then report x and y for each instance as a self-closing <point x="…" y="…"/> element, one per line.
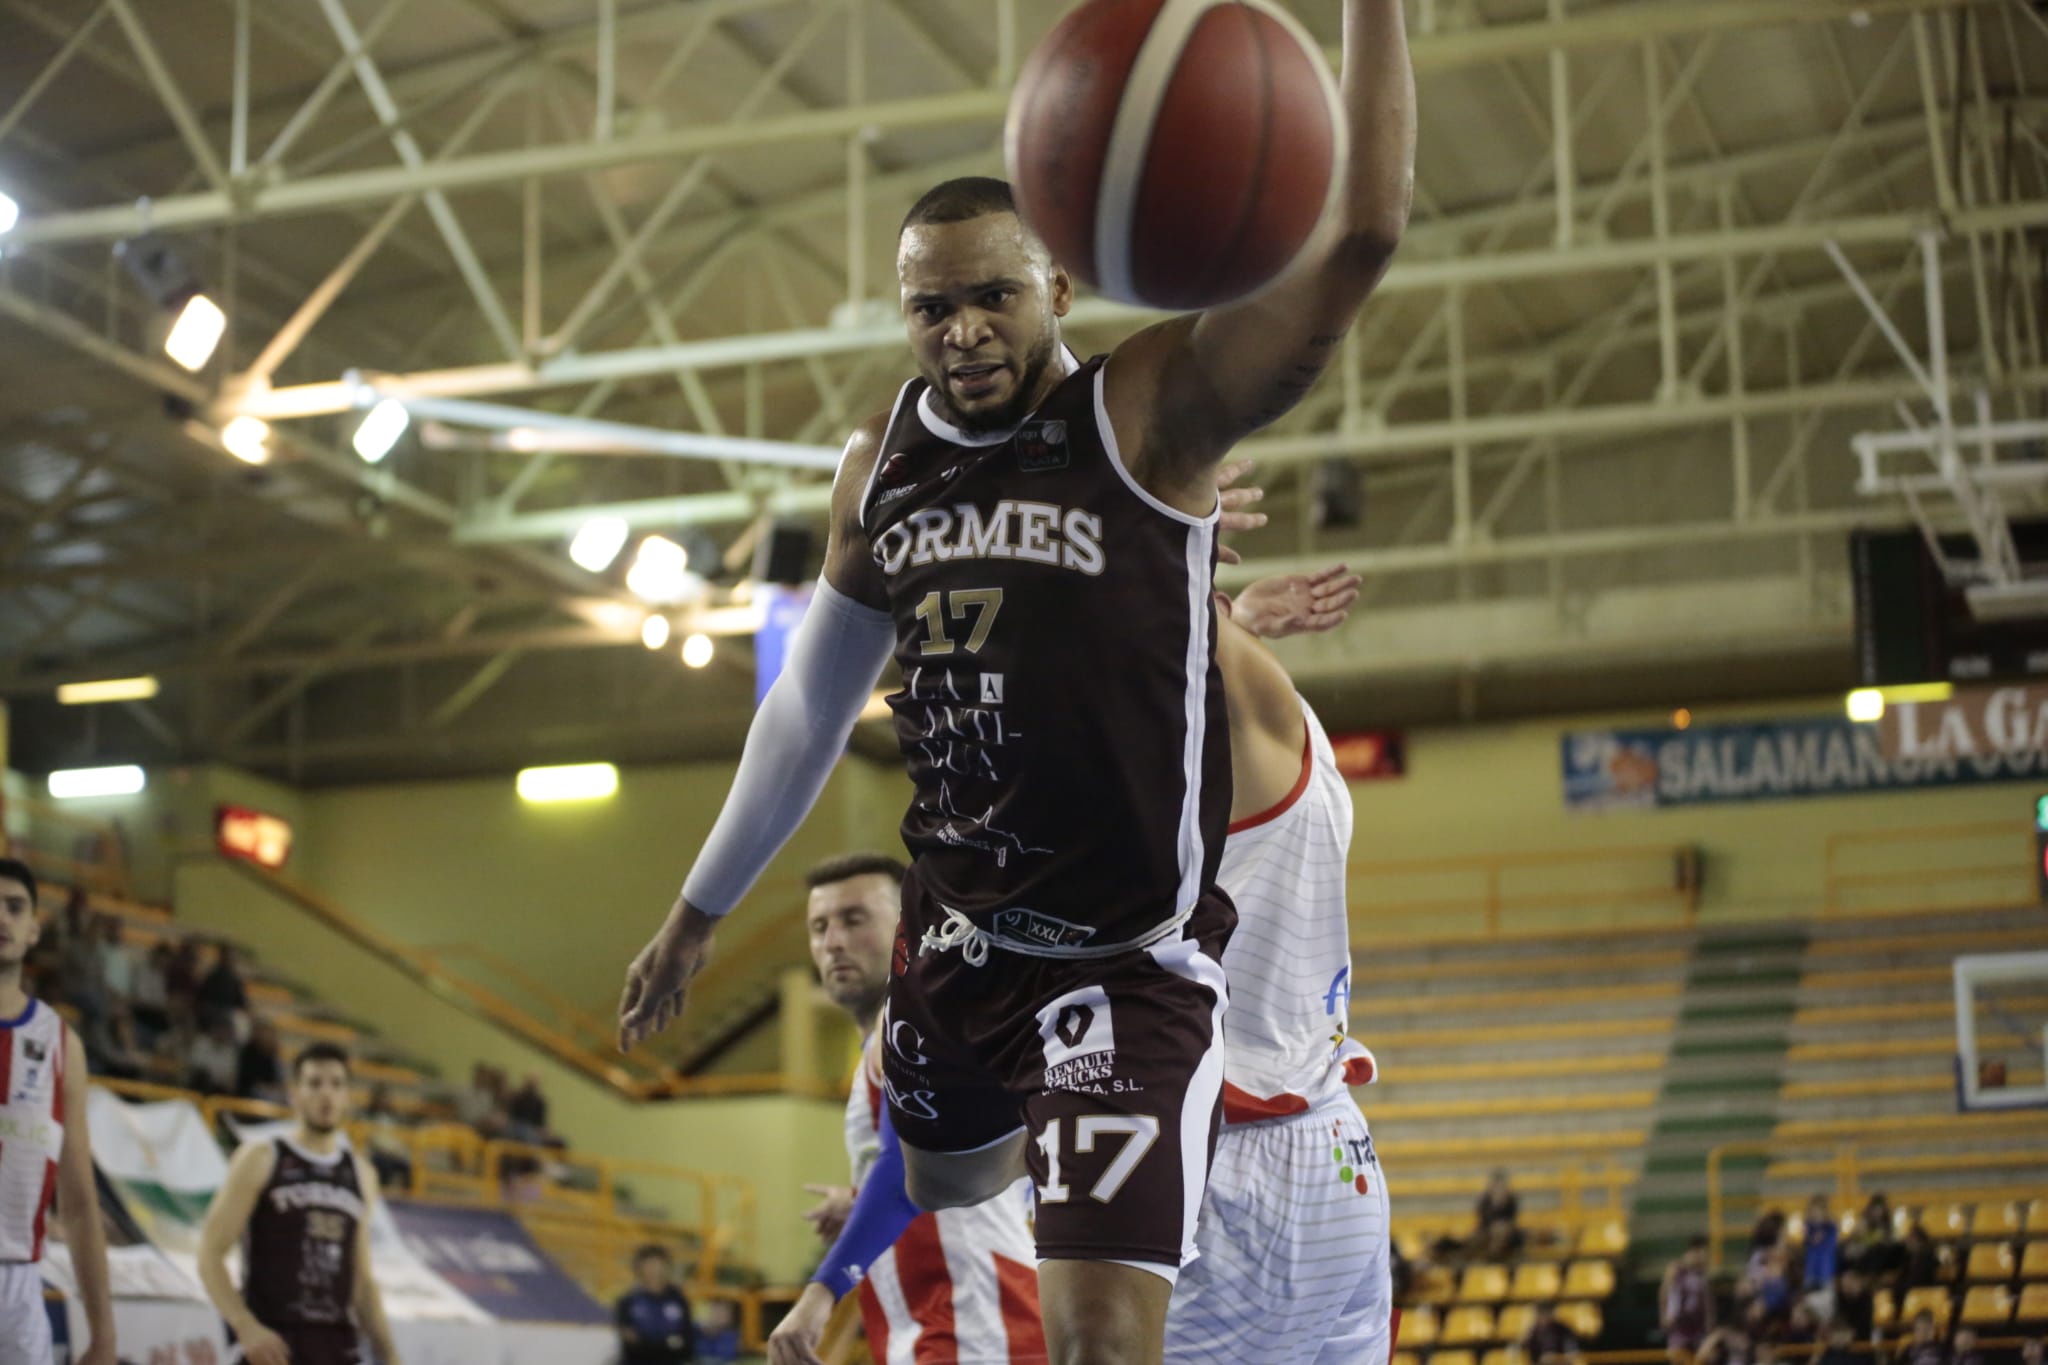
<point x="1590" y="446"/>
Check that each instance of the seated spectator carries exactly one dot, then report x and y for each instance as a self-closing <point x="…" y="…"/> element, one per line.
<point x="655" y="1325"/>
<point x="111" y="1046"/>
<point x="215" y="1060"/>
<point x="1686" y="1302"/>
<point x="1767" y="1286"/>
<point x="1839" y="1345"/>
<point x="1822" y="1250"/>
<point x="1500" y="1234"/>
<point x="1920" y="1265"/>
<point x="1855" y="1303"/>
<point x="718" y="1336"/>
<point x="1964" y="1350"/>
<point x="222" y="993"/>
<point x="259" y="1072"/>
<point x="1924" y="1347"/>
<point x="149" y="994"/>
<point x="1726" y="1346"/>
<point x="388" y="1150"/>
<point x="181" y="983"/>
<point x="117" y="964"/>
<point x="78" y="966"/>
<point x="482" y="1105"/>
<point x="1551" y="1342"/>
<point x="1874" y="1248"/>
<point x="1768" y="1232"/>
<point x="2031" y="1351"/>
<point x="527" y="1112"/>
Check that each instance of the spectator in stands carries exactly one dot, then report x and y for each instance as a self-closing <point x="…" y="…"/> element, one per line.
<point x="117" y="964"/>
<point x="655" y="1325"/>
<point x="259" y="1071"/>
<point x="1726" y="1346"/>
<point x="388" y="1150"/>
<point x="181" y="984"/>
<point x="1920" y="1266"/>
<point x="1874" y="1248"/>
<point x="1855" y="1304"/>
<point x="1840" y="1345"/>
<point x="78" y="965"/>
<point x="215" y="1060"/>
<point x="149" y="995"/>
<point x="1964" y="1348"/>
<point x="222" y="993"/>
<point x="1925" y="1347"/>
<point x="527" y="1111"/>
<point x="2031" y="1352"/>
<point x="1500" y="1233"/>
<point x="1767" y="1287"/>
<point x="1551" y="1342"/>
<point x="111" y="1047"/>
<point x="718" y="1335"/>
<point x="1768" y="1232"/>
<point x="1823" y="1256"/>
<point x="482" y="1105"/>
<point x="1686" y="1302"/>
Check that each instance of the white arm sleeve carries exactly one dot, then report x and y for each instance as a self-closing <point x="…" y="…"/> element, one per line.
<point x="835" y="655"/>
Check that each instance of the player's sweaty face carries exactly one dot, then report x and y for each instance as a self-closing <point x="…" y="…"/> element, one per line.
<point x="320" y="1095"/>
<point x="853" y="930"/>
<point x="981" y="304"/>
<point x="19" y="925"/>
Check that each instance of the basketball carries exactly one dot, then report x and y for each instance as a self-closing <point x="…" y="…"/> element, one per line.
<point x="1175" y="153"/>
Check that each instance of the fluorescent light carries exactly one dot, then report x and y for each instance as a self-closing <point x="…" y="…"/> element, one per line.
<point x="1905" y="692"/>
<point x="598" y="542"/>
<point x="660" y="572"/>
<point x="107" y="689"/>
<point x="10" y="213"/>
<point x="654" y="631"/>
<point x="570" y="782"/>
<point x="69" y="784"/>
<point x="697" y="651"/>
<point x="197" y="331"/>
<point x="381" y="429"/>
<point x="1866" y="704"/>
<point x="247" y="439"/>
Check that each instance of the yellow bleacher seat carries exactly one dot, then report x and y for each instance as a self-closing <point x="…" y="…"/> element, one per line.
<point x="2037" y="1218"/>
<point x="1988" y="1305"/>
<point x="1589" y="1280"/>
<point x="1536" y="1280"/>
<point x="1608" y="1238"/>
<point x="1453" y="1358"/>
<point x="2033" y="1303"/>
<point x="1884" y="1310"/>
<point x="1927" y="1299"/>
<point x="1514" y="1324"/>
<point x="1471" y="1325"/>
<point x="1405" y="1358"/>
<point x="1434" y="1285"/>
<point x="1991" y="1261"/>
<point x="1410" y="1245"/>
<point x="2034" y="1265"/>
<point x="1504" y="1355"/>
<point x="1583" y="1318"/>
<point x="1419" y="1327"/>
<point x="1997" y="1220"/>
<point x="1946" y="1220"/>
<point x="1484" y="1284"/>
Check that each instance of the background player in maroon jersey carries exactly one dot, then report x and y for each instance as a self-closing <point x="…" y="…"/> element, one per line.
<point x="1071" y="762"/>
<point x="299" y="1207"/>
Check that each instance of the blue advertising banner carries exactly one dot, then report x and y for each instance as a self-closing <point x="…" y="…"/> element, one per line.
<point x="1765" y="761"/>
<point x="781" y="609"/>
<point x="488" y="1256"/>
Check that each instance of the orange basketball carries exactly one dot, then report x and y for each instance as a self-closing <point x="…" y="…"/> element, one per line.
<point x="1175" y="153"/>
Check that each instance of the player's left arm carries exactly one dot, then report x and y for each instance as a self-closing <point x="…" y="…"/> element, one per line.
<point x="78" y="1206"/>
<point x="1197" y="385"/>
<point x="368" y="1303"/>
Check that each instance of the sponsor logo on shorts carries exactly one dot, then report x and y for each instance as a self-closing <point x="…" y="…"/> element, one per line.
<point x="1353" y="1156"/>
<point x="1080" y="1043"/>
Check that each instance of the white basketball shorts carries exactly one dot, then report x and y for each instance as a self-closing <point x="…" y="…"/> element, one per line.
<point x="24" y="1321"/>
<point x="1293" y="1266"/>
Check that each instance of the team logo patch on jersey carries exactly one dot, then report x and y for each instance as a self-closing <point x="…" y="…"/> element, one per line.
<point x="34" y="1049"/>
<point x="1041" y="446"/>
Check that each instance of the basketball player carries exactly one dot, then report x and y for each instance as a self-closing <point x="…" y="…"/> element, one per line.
<point x="956" y="1287"/>
<point x="299" y="1205"/>
<point x="47" y="1150"/>
<point x="1033" y="538"/>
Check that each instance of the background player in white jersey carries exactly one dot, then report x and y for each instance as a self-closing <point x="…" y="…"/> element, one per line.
<point x="47" y="1151"/>
<point x="959" y="1286"/>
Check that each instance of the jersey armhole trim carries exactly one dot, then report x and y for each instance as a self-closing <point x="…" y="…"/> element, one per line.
<point x="1286" y="803"/>
<point x="867" y="491"/>
<point x="1116" y="459"/>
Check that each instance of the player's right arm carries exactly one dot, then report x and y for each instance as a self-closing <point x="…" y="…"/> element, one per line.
<point x="227" y="1222"/>
<point x="835" y="655"/>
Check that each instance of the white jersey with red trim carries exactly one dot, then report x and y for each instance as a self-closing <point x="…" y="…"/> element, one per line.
<point x="1287" y="1043"/>
<point x="31" y="1127"/>
<point x="960" y="1285"/>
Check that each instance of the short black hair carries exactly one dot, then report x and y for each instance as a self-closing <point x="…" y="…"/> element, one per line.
<point x="653" y="1251"/>
<point x="321" y="1052"/>
<point x="960" y="199"/>
<point x="850" y="865"/>
<point x="14" y="869"/>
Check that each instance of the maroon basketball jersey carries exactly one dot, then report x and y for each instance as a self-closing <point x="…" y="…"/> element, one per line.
<point x="300" y="1251"/>
<point x="1061" y="712"/>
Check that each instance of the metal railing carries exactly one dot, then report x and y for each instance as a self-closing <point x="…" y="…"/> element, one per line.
<point x="1987" y="865"/>
<point x="1490" y="895"/>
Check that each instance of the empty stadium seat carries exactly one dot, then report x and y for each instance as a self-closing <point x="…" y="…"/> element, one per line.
<point x="1609" y="1238"/>
<point x="1453" y="1358"/>
<point x="2033" y="1303"/>
<point x="1997" y="1220"/>
<point x="2034" y="1264"/>
<point x="1589" y="1280"/>
<point x="1946" y="1220"/>
<point x="1433" y="1285"/>
<point x="1991" y="1261"/>
<point x="1988" y="1305"/>
<point x="1504" y="1355"/>
<point x="2037" y="1218"/>
<point x="1583" y="1318"/>
<point x="1484" y="1284"/>
<point x="1470" y="1325"/>
<point x="1884" y="1309"/>
<point x="1536" y="1280"/>
<point x="1928" y="1299"/>
<point x="1515" y="1322"/>
<point x="1405" y="1357"/>
<point x="1419" y="1327"/>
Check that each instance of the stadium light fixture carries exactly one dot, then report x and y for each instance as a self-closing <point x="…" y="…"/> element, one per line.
<point x="598" y="542"/>
<point x="1866" y="705"/>
<point x="76" y="784"/>
<point x="10" y="213"/>
<point x="196" y="333"/>
<point x="247" y="439"/>
<point x="660" y="572"/>
<point x="697" y="651"/>
<point x="105" y="690"/>
<point x="381" y="429"/>
<point x="568" y="782"/>
<point x="654" y="631"/>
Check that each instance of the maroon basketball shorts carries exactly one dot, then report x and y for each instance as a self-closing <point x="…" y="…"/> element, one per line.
<point x="1112" y="1067"/>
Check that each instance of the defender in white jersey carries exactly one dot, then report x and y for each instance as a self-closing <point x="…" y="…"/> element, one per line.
<point x="959" y="1286"/>
<point x="45" y="1151"/>
<point x="1293" y="1236"/>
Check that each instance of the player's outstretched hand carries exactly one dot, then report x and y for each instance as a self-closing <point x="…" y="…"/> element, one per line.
<point x="658" y="978"/>
<point x="834" y="1207"/>
<point x="261" y="1346"/>
<point x="1296" y="603"/>
<point x="1235" y="502"/>
<point x="795" y="1339"/>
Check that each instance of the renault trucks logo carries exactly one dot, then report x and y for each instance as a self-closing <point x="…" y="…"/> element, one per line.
<point x="1079" y="1041"/>
<point x="1073" y="1024"/>
<point x="1041" y="446"/>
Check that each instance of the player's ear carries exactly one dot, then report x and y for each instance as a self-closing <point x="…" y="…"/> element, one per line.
<point x="1062" y="286"/>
